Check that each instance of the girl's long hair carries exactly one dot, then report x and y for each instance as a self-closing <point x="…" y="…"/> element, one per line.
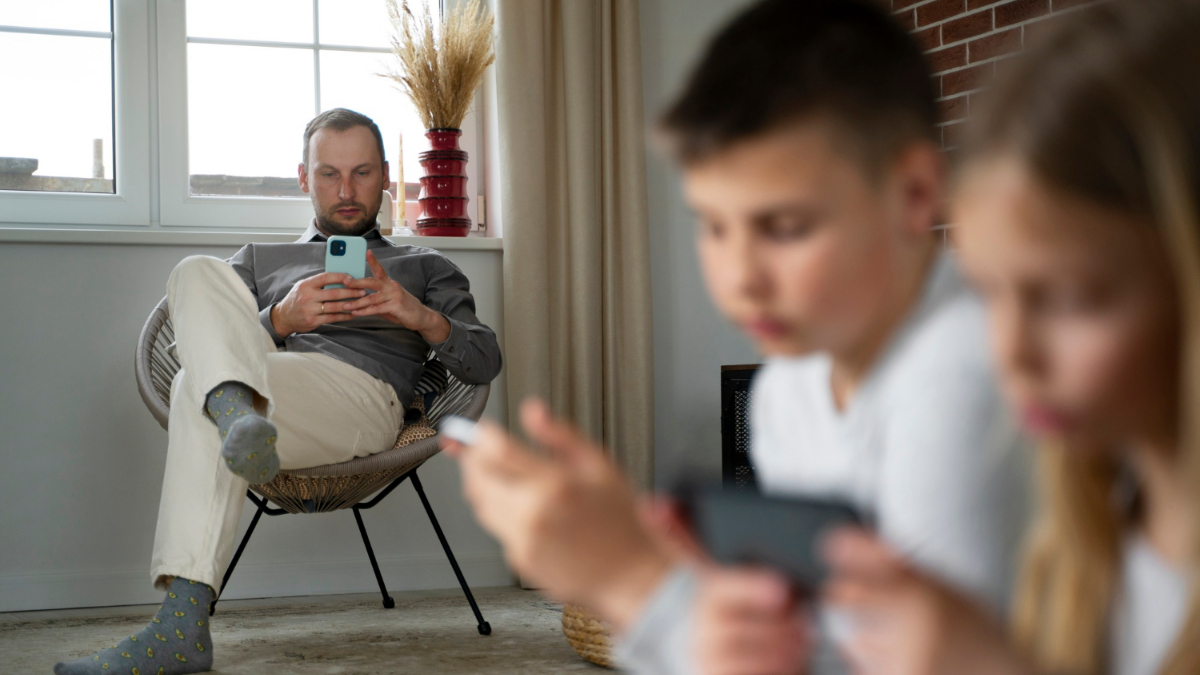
<point x="1107" y="107"/>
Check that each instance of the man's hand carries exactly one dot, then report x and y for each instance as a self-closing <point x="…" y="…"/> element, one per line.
<point x="309" y="305"/>
<point x="748" y="621"/>
<point x="905" y="623"/>
<point x="392" y="302"/>
<point x="569" y="523"/>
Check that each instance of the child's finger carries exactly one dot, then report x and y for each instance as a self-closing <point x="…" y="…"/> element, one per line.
<point x="747" y="591"/>
<point x="451" y="447"/>
<point x="738" y="646"/>
<point x="856" y="553"/>
<point x="491" y="485"/>
<point x="854" y="596"/>
<point x="664" y="517"/>
<point x="494" y="502"/>
<point x="758" y="654"/>
<point x="562" y="438"/>
<point x="500" y="453"/>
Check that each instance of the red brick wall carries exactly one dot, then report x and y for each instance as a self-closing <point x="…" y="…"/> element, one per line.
<point x="964" y="39"/>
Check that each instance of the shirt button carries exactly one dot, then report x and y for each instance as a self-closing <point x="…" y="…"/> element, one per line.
<point x="391" y="403"/>
<point x="452" y="349"/>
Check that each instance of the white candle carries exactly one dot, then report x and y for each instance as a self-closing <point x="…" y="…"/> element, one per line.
<point x="401" y="196"/>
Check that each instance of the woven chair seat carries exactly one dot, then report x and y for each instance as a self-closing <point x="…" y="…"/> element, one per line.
<point x="324" y="488"/>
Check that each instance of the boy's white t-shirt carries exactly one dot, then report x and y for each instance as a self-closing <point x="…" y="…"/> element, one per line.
<point x="926" y="447"/>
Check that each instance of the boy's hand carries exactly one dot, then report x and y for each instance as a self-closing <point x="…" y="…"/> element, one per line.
<point x="569" y="522"/>
<point x="309" y="305"/>
<point x="392" y="302"/>
<point x="906" y="623"/>
<point x="664" y="518"/>
<point x="748" y="623"/>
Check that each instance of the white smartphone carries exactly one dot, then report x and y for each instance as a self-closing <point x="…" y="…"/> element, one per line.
<point x="460" y="429"/>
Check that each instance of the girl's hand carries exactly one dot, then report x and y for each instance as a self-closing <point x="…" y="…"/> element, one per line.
<point x="905" y="623"/>
<point x="747" y="622"/>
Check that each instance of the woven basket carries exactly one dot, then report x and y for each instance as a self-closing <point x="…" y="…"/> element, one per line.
<point x="589" y="636"/>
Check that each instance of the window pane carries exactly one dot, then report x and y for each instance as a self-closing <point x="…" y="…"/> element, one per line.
<point x="349" y="80"/>
<point x="362" y="23"/>
<point x="94" y="15"/>
<point x="65" y="86"/>
<point x="274" y="20"/>
<point x="247" y="108"/>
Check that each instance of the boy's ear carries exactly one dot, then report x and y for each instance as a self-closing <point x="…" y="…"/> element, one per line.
<point x="921" y="170"/>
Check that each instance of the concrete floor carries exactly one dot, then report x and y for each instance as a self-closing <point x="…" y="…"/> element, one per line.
<point x="428" y="632"/>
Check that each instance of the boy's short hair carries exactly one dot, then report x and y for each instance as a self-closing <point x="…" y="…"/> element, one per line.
<point x="783" y="61"/>
<point x="341" y="119"/>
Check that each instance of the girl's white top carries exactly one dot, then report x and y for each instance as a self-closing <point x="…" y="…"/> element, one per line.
<point x="1150" y="608"/>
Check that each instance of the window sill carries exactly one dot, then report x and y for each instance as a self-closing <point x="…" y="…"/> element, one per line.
<point x="158" y="236"/>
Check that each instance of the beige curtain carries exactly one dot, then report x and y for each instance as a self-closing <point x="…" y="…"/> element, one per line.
<point x="577" y="319"/>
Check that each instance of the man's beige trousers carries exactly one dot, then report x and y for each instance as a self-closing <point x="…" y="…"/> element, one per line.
<point x="326" y="412"/>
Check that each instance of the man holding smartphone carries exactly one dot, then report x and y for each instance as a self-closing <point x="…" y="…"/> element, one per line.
<point x="279" y="371"/>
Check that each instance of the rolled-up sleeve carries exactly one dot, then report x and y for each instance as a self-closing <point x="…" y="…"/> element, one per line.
<point x="471" y="352"/>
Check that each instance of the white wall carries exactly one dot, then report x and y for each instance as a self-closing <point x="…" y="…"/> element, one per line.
<point x="691" y="341"/>
<point x="81" y="459"/>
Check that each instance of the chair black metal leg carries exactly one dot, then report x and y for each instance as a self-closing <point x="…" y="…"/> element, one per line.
<point x="237" y="556"/>
<point x="484" y="627"/>
<point x="388" y="602"/>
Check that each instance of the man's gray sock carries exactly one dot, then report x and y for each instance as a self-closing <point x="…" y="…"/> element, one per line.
<point x="175" y="642"/>
<point x="247" y="438"/>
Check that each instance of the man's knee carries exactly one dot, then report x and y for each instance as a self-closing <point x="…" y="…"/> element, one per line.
<point x="197" y="267"/>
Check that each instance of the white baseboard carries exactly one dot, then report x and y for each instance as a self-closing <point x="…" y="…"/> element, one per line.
<point x="64" y="590"/>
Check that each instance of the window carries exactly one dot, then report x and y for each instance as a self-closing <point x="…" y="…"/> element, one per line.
<point x="189" y="114"/>
<point x="76" y="85"/>
<point x="283" y="61"/>
<point x="246" y="76"/>
<point x="64" y="82"/>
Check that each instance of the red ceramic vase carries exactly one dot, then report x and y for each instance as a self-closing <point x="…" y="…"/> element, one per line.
<point x="444" y="186"/>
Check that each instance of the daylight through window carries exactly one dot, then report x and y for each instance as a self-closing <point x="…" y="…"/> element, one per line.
<point x="258" y="70"/>
<point x="56" y="122"/>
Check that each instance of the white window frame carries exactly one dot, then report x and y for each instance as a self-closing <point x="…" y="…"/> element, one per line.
<point x="130" y="205"/>
<point x="180" y="208"/>
<point x="150" y="155"/>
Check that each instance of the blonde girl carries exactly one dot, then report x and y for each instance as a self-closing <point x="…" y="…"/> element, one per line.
<point x="1079" y="223"/>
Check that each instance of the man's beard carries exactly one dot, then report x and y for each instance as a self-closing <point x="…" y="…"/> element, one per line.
<point x="356" y="229"/>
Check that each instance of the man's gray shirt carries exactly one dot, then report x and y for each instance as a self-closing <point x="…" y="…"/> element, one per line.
<point x="372" y="344"/>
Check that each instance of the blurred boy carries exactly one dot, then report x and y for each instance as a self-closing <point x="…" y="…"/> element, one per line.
<point x="807" y="142"/>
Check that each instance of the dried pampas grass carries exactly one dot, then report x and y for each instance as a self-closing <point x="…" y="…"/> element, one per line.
<point x="440" y="70"/>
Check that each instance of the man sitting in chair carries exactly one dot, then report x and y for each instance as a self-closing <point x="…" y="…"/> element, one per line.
<point x="279" y="372"/>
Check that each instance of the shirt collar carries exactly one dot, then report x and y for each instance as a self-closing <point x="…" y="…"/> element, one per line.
<point x="313" y="235"/>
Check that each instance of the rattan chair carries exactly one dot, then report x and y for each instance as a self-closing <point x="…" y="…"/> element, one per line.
<point x="331" y="487"/>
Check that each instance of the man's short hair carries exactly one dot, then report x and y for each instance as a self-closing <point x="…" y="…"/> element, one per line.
<point x="341" y="119"/>
<point x="784" y="61"/>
